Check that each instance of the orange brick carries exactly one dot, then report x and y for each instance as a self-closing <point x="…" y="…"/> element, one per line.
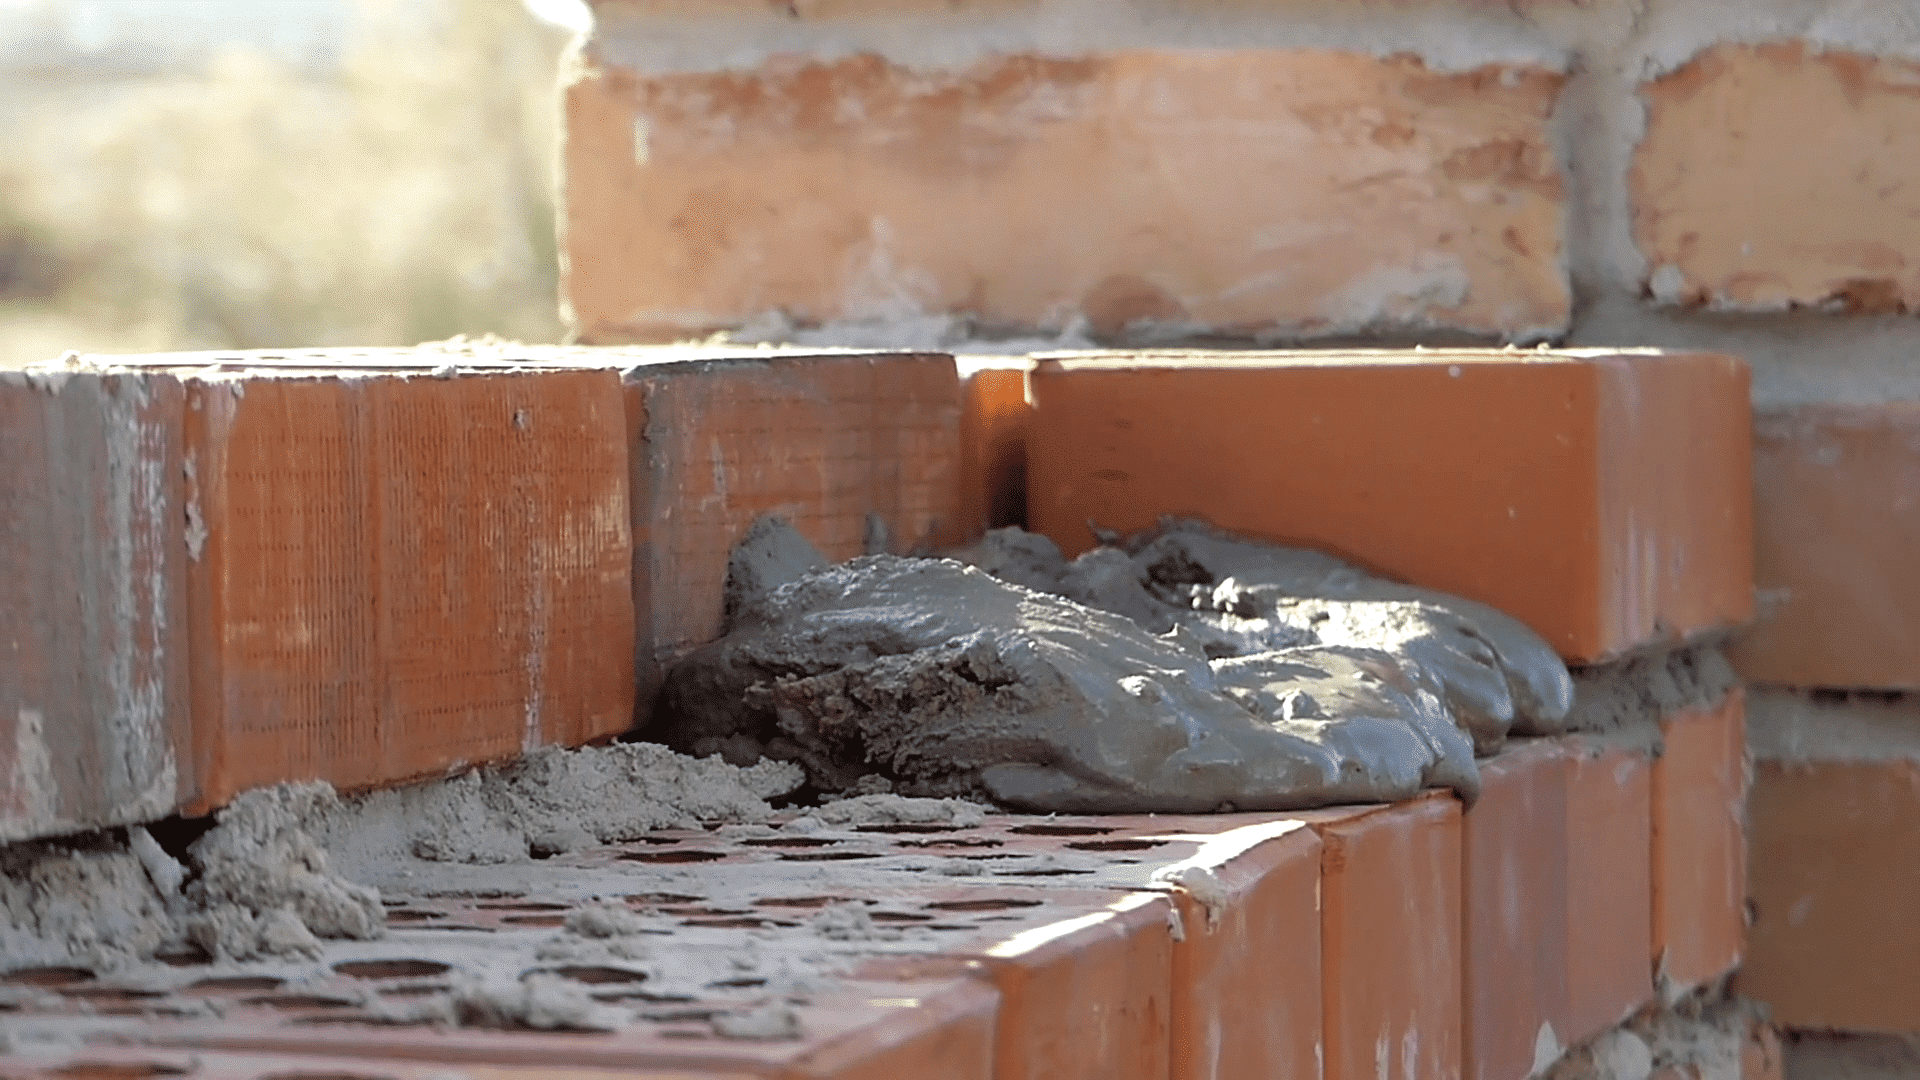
<point x="396" y="574"/>
<point x="93" y="676"/>
<point x="1699" y="843"/>
<point x="994" y="425"/>
<point x="1610" y="888"/>
<point x="1390" y="940"/>
<point x="1742" y="141"/>
<point x="1836" y="523"/>
<point x="1619" y="512"/>
<point x="1246" y="976"/>
<point x="1035" y="191"/>
<point x="1087" y="999"/>
<point x="1515" y="888"/>
<point x="832" y="443"/>
<point x="1836" y="894"/>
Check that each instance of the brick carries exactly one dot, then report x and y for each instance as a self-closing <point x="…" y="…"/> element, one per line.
<point x="832" y="443"/>
<point x="1246" y="973"/>
<point x="1620" y="513"/>
<point x="1082" y="998"/>
<point x="1081" y="957"/>
<point x="394" y="575"/>
<point x="1836" y="520"/>
<point x="1034" y="191"/>
<point x="93" y="676"/>
<point x="1610" y="887"/>
<point x="1836" y="894"/>
<point x="1390" y="928"/>
<point x="1515" y="887"/>
<point x="1245" y="978"/>
<point x="995" y="421"/>
<point x="1699" y="843"/>
<point x="1741" y="141"/>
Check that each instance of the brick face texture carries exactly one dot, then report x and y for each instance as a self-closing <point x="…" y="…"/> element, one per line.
<point x="93" y="676"/>
<point x="399" y="575"/>
<point x="1775" y="176"/>
<point x="1243" y="190"/>
<point x="1836" y="529"/>
<point x="1836" y="894"/>
<point x="1700" y="842"/>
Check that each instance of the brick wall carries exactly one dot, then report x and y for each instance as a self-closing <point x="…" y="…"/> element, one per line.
<point x="1683" y="174"/>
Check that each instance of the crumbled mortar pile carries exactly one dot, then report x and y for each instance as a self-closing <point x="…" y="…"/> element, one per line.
<point x="276" y="875"/>
<point x="550" y="802"/>
<point x="262" y="887"/>
<point x="1700" y="1035"/>
<point x="256" y="886"/>
<point x="1186" y="671"/>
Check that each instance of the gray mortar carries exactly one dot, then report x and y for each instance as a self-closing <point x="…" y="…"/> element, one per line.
<point x="1701" y="1035"/>
<point x="1240" y="596"/>
<point x="1836" y="1056"/>
<point x="1620" y="704"/>
<point x="1795" y="727"/>
<point x="1190" y="671"/>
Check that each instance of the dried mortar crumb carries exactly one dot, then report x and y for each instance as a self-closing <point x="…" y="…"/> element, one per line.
<point x="577" y="798"/>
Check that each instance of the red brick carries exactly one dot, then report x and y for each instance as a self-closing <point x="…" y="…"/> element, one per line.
<point x="1246" y="974"/>
<point x="1515" y="888"/>
<point x="1836" y="523"/>
<point x="826" y="442"/>
<point x="1699" y="843"/>
<point x="1087" y="999"/>
<point x="401" y="574"/>
<point x="1036" y="191"/>
<point x="1610" y="888"/>
<point x="93" y="676"/>
<point x="1836" y="895"/>
<point x="1743" y="141"/>
<point x="1391" y="916"/>
<point x="1620" y="512"/>
<point x="994" y="425"/>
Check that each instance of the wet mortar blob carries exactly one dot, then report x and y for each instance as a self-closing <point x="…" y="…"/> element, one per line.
<point x="1180" y="671"/>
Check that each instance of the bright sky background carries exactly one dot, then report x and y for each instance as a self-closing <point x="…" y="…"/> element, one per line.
<point x="39" y="32"/>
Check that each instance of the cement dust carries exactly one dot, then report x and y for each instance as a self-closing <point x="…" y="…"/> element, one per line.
<point x="1182" y="671"/>
<point x="549" y="802"/>
<point x="283" y="870"/>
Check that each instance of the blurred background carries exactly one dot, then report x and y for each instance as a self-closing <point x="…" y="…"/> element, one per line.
<point x="188" y="174"/>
